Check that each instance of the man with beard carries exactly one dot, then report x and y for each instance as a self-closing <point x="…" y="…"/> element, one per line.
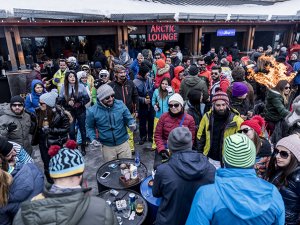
<point x="59" y="76"/>
<point x="110" y="117"/>
<point x="15" y="123"/>
<point x="126" y="92"/>
<point x="217" y="124"/>
<point x="219" y="81"/>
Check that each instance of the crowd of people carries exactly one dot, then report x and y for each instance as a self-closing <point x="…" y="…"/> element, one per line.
<point x="227" y="147"/>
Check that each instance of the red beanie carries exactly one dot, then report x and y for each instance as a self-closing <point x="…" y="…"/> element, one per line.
<point x="256" y="123"/>
<point x="160" y="63"/>
<point x="220" y="95"/>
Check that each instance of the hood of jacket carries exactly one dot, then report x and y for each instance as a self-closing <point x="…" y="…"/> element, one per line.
<point x="243" y="193"/>
<point x="56" y="208"/>
<point x="189" y="164"/>
<point x="164" y="70"/>
<point x="192" y="80"/>
<point x="33" y="83"/>
<point x="8" y="112"/>
<point x="177" y="70"/>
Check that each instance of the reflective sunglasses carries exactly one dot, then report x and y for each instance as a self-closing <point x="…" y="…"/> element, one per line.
<point x="282" y="154"/>
<point x="103" y="75"/>
<point x="111" y="96"/>
<point x="17" y="105"/>
<point x="287" y="87"/>
<point x="176" y="105"/>
<point x="245" y="130"/>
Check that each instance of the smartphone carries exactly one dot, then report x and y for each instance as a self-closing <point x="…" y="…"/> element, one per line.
<point x="104" y="175"/>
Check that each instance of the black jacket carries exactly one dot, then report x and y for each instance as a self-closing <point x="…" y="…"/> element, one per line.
<point x="241" y="105"/>
<point x="127" y="93"/>
<point x="177" y="181"/>
<point x="291" y="197"/>
<point x="59" y="128"/>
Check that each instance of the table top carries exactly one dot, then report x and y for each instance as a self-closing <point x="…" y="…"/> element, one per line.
<point x="123" y="194"/>
<point x="112" y="180"/>
<point x="146" y="192"/>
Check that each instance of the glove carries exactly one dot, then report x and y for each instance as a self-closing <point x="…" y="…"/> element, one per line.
<point x="170" y="90"/>
<point x="132" y="127"/>
<point x="155" y="108"/>
<point x="11" y="127"/>
<point x="164" y="154"/>
<point x="77" y="105"/>
<point x="56" y="80"/>
<point x="46" y="130"/>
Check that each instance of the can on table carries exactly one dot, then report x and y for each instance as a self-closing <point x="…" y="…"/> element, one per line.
<point x="132" y="198"/>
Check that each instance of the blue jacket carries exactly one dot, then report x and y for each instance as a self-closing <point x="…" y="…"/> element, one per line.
<point x="28" y="181"/>
<point x="110" y="122"/>
<point x="163" y="103"/>
<point x="32" y="99"/>
<point x="144" y="87"/>
<point x="177" y="181"/>
<point x="134" y="67"/>
<point x="237" y="197"/>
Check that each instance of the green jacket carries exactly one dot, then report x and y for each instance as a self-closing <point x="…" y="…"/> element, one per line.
<point x="70" y="208"/>
<point x="193" y="82"/>
<point x="275" y="109"/>
<point x="204" y="131"/>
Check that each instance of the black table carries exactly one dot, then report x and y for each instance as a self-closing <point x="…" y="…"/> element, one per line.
<point x="112" y="181"/>
<point x="123" y="194"/>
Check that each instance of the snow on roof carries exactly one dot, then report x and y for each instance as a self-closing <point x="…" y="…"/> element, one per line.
<point x="107" y="7"/>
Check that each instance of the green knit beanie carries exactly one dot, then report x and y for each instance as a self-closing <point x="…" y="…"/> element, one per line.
<point x="239" y="151"/>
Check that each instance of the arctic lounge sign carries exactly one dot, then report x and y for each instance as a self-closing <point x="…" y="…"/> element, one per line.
<point x="226" y="32"/>
<point x="165" y="33"/>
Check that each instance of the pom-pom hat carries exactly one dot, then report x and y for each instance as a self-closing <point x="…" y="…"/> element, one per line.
<point x="256" y="123"/>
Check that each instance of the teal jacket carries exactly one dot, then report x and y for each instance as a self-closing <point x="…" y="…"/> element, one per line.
<point x="162" y="103"/>
<point x="110" y="122"/>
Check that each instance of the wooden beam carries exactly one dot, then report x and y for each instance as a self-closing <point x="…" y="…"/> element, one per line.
<point x="19" y="48"/>
<point x="125" y="36"/>
<point x="10" y="47"/>
<point x="195" y="40"/>
<point x="252" y="38"/>
<point x="199" y="48"/>
<point x="119" y="38"/>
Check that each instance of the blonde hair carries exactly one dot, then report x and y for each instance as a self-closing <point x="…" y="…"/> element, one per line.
<point x="5" y="182"/>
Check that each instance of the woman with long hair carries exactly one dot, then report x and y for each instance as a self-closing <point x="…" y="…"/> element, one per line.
<point x="73" y="97"/>
<point x="52" y="127"/>
<point x="253" y="128"/>
<point x="160" y="99"/>
<point x="284" y="172"/>
<point x="277" y="104"/>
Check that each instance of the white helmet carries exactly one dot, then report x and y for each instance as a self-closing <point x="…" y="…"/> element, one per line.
<point x="72" y="59"/>
<point x="103" y="73"/>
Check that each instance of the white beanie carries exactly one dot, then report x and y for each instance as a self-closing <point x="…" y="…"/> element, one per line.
<point x="176" y="97"/>
<point x="81" y="74"/>
<point x="49" y="98"/>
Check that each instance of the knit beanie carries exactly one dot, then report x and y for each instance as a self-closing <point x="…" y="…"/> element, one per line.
<point x="81" y="74"/>
<point x="220" y="95"/>
<point x="292" y="143"/>
<point x="239" y="89"/>
<point x="143" y="69"/>
<point x="256" y="123"/>
<point x="177" y="98"/>
<point x="17" y="98"/>
<point x="193" y="70"/>
<point x="194" y="96"/>
<point x="104" y="91"/>
<point x="98" y="65"/>
<point x="239" y="151"/>
<point x="65" y="162"/>
<point x="49" y="98"/>
<point x="180" y="138"/>
<point x="5" y="147"/>
<point x="160" y="63"/>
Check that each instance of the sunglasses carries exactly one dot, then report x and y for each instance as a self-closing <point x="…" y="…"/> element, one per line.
<point x="215" y="73"/>
<point x="103" y="76"/>
<point x="111" y="96"/>
<point x="42" y="103"/>
<point x="176" y="105"/>
<point x="287" y="88"/>
<point x="282" y="154"/>
<point x="17" y="105"/>
<point x="245" y="131"/>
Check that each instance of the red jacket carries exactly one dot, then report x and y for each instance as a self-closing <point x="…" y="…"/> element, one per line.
<point x="166" y="124"/>
<point x="175" y="83"/>
<point x="161" y="74"/>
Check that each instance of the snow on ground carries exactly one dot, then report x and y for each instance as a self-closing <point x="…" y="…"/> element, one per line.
<point x="107" y="7"/>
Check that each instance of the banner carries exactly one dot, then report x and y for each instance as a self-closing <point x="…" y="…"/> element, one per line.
<point x="164" y="33"/>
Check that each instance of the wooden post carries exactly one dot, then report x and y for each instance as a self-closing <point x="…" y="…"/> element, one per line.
<point x="291" y="35"/>
<point x="19" y="48"/>
<point x="200" y="40"/>
<point x="252" y="38"/>
<point x="119" y="38"/>
<point x="195" y="40"/>
<point x="125" y="37"/>
<point x="10" y="47"/>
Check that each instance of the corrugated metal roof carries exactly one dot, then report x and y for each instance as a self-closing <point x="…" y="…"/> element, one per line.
<point x="214" y="2"/>
<point x="248" y="17"/>
<point x="144" y="16"/>
<point x="285" y="18"/>
<point x="201" y="16"/>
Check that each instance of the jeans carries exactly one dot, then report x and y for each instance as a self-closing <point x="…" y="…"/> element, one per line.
<point x="146" y="118"/>
<point x="80" y="118"/>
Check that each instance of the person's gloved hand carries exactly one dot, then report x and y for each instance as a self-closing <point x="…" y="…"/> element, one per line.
<point x="170" y="90"/>
<point x="132" y="127"/>
<point x="164" y="154"/>
<point x="156" y="108"/>
<point x="56" y="80"/>
<point x="11" y="127"/>
<point x="46" y="130"/>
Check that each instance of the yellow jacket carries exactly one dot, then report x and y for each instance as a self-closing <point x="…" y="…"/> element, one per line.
<point x="61" y="76"/>
<point x="204" y="133"/>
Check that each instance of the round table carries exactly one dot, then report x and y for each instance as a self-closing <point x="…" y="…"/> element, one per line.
<point x="123" y="194"/>
<point x="153" y="202"/>
<point x="112" y="180"/>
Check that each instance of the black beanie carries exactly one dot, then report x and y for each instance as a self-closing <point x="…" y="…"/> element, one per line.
<point x="194" y="96"/>
<point x="144" y="69"/>
<point x="193" y="70"/>
<point x="5" y="147"/>
<point x="17" y="98"/>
